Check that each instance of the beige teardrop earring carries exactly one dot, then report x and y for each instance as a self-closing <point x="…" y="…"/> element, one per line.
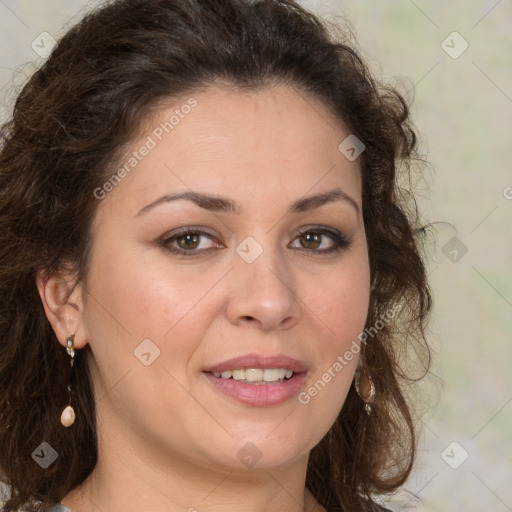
<point x="67" y="417"/>
<point x="365" y="388"/>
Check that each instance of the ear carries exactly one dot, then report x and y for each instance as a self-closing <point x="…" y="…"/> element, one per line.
<point x="63" y="304"/>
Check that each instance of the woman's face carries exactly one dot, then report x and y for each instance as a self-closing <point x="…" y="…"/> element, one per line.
<point x="165" y="311"/>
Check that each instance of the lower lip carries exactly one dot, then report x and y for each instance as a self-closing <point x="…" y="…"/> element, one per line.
<point x="259" y="395"/>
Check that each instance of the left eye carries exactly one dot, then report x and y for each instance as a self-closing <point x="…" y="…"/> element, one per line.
<point x="314" y="240"/>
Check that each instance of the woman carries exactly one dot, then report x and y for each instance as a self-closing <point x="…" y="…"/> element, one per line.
<point x="208" y="274"/>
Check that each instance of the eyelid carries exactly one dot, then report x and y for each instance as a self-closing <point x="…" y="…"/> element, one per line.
<point x="186" y="230"/>
<point x="318" y="229"/>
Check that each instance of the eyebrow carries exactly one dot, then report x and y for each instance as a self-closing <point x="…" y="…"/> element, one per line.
<point x="215" y="203"/>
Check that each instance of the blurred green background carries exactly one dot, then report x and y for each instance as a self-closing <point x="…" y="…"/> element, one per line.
<point x="455" y="60"/>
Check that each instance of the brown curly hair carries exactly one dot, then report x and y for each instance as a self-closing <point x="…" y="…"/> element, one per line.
<point x="70" y="124"/>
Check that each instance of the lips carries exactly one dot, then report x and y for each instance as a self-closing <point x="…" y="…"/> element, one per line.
<point x="259" y="361"/>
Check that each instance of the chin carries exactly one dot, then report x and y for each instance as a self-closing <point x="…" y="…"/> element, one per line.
<point x="264" y="451"/>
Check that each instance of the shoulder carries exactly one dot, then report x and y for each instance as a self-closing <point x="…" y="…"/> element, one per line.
<point x="5" y="492"/>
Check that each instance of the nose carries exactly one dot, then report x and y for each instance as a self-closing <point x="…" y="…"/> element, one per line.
<point x="262" y="294"/>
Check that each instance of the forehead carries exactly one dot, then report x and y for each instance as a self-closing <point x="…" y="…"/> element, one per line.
<point x="275" y="141"/>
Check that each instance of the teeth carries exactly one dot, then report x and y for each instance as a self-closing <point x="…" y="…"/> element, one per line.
<point x="256" y="374"/>
<point x="238" y="374"/>
<point x="270" y="374"/>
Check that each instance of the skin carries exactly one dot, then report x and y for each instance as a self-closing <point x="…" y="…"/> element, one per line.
<point x="168" y="440"/>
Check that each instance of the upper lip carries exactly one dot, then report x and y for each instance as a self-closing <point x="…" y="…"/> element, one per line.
<point x="258" y="361"/>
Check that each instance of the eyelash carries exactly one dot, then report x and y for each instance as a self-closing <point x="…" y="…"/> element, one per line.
<point x="339" y="239"/>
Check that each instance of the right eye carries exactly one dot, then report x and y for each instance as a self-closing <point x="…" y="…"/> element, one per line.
<point x="187" y="242"/>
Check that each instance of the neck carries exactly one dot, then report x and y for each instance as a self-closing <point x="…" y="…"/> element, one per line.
<point x="128" y="478"/>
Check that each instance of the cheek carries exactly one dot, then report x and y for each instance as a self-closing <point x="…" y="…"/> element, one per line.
<point x="130" y="299"/>
<point x="349" y="309"/>
<point x="341" y="302"/>
<point x="340" y="306"/>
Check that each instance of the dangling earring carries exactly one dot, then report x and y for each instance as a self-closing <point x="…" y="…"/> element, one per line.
<point x="67" y="417"/>
<point x="365" y="388"/>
